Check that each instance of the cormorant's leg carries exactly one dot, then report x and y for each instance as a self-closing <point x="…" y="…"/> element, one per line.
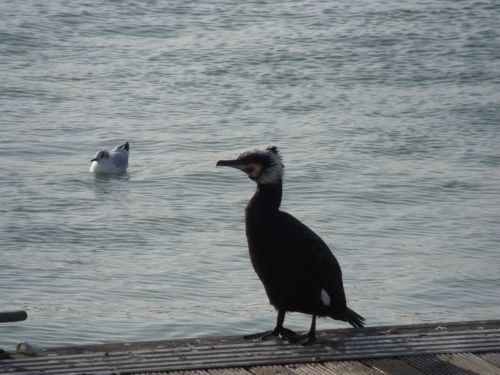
<point x="279" y="330"/>
<point x="306" y="338"/>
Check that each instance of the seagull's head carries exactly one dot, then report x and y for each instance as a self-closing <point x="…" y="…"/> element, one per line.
<point x="262" y="166"/>
<point x="100" y="156"/>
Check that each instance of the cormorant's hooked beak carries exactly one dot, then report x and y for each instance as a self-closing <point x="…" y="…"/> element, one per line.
<point x="230" y="163"/>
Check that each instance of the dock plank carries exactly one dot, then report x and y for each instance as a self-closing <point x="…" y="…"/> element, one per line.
<point x="393" y="366"/>
<point x="229" y="371"/>
<point x="312" y="368"/>
<point x="196" y="372"/>
<point x="470" y="362"/>
<point x="493" y="358"/>
<point x="433" y="364"/>
<point x="273" y="370"/>
<point x="350" y="368"/>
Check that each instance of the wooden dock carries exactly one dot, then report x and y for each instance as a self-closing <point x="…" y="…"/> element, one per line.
<point x="447" y="348"/>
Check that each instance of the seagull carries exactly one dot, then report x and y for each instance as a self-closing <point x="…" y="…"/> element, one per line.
<point x="111" y="162"/>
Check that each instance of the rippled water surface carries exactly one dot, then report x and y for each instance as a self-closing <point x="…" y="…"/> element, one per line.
<point x="386" y="113"/>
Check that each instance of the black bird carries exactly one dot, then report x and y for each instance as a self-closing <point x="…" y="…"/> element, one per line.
<point x="298" y="270"/>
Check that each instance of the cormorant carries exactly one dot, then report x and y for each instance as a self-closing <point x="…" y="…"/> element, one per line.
<point x="298" y="270"/>
<point x="115" y="161"/>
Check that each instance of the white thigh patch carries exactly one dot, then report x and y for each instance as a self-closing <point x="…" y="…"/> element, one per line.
<point x="325" y="298"/>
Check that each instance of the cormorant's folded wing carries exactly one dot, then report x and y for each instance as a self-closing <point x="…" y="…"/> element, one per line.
<point x="328" y="270"/>
<point x="316" y="259"/>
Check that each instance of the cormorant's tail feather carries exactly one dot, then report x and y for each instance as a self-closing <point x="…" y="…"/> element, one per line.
<point x="351" y="317"/>
<point x="354" y="319"/>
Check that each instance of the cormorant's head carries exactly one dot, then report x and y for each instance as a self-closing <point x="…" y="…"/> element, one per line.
<point x="100" y="156"/>
<point x="261" y="166"/>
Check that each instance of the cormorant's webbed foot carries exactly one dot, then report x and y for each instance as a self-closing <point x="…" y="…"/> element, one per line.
<point x="281" y="332"/>
<point x="307" y="338"/>
<point x="304" y="340"/>
<point x="261" y="335"/>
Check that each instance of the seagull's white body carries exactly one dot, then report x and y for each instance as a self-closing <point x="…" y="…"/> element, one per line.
<point x="111" y="162"/>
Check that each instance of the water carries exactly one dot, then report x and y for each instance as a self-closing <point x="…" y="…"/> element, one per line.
<point x="386" y="113"/>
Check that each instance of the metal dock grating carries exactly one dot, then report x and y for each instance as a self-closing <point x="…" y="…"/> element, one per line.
<point x="446" y="348"/>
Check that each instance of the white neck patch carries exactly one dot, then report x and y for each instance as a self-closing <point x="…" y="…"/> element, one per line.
<point x="274" y="172"/>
